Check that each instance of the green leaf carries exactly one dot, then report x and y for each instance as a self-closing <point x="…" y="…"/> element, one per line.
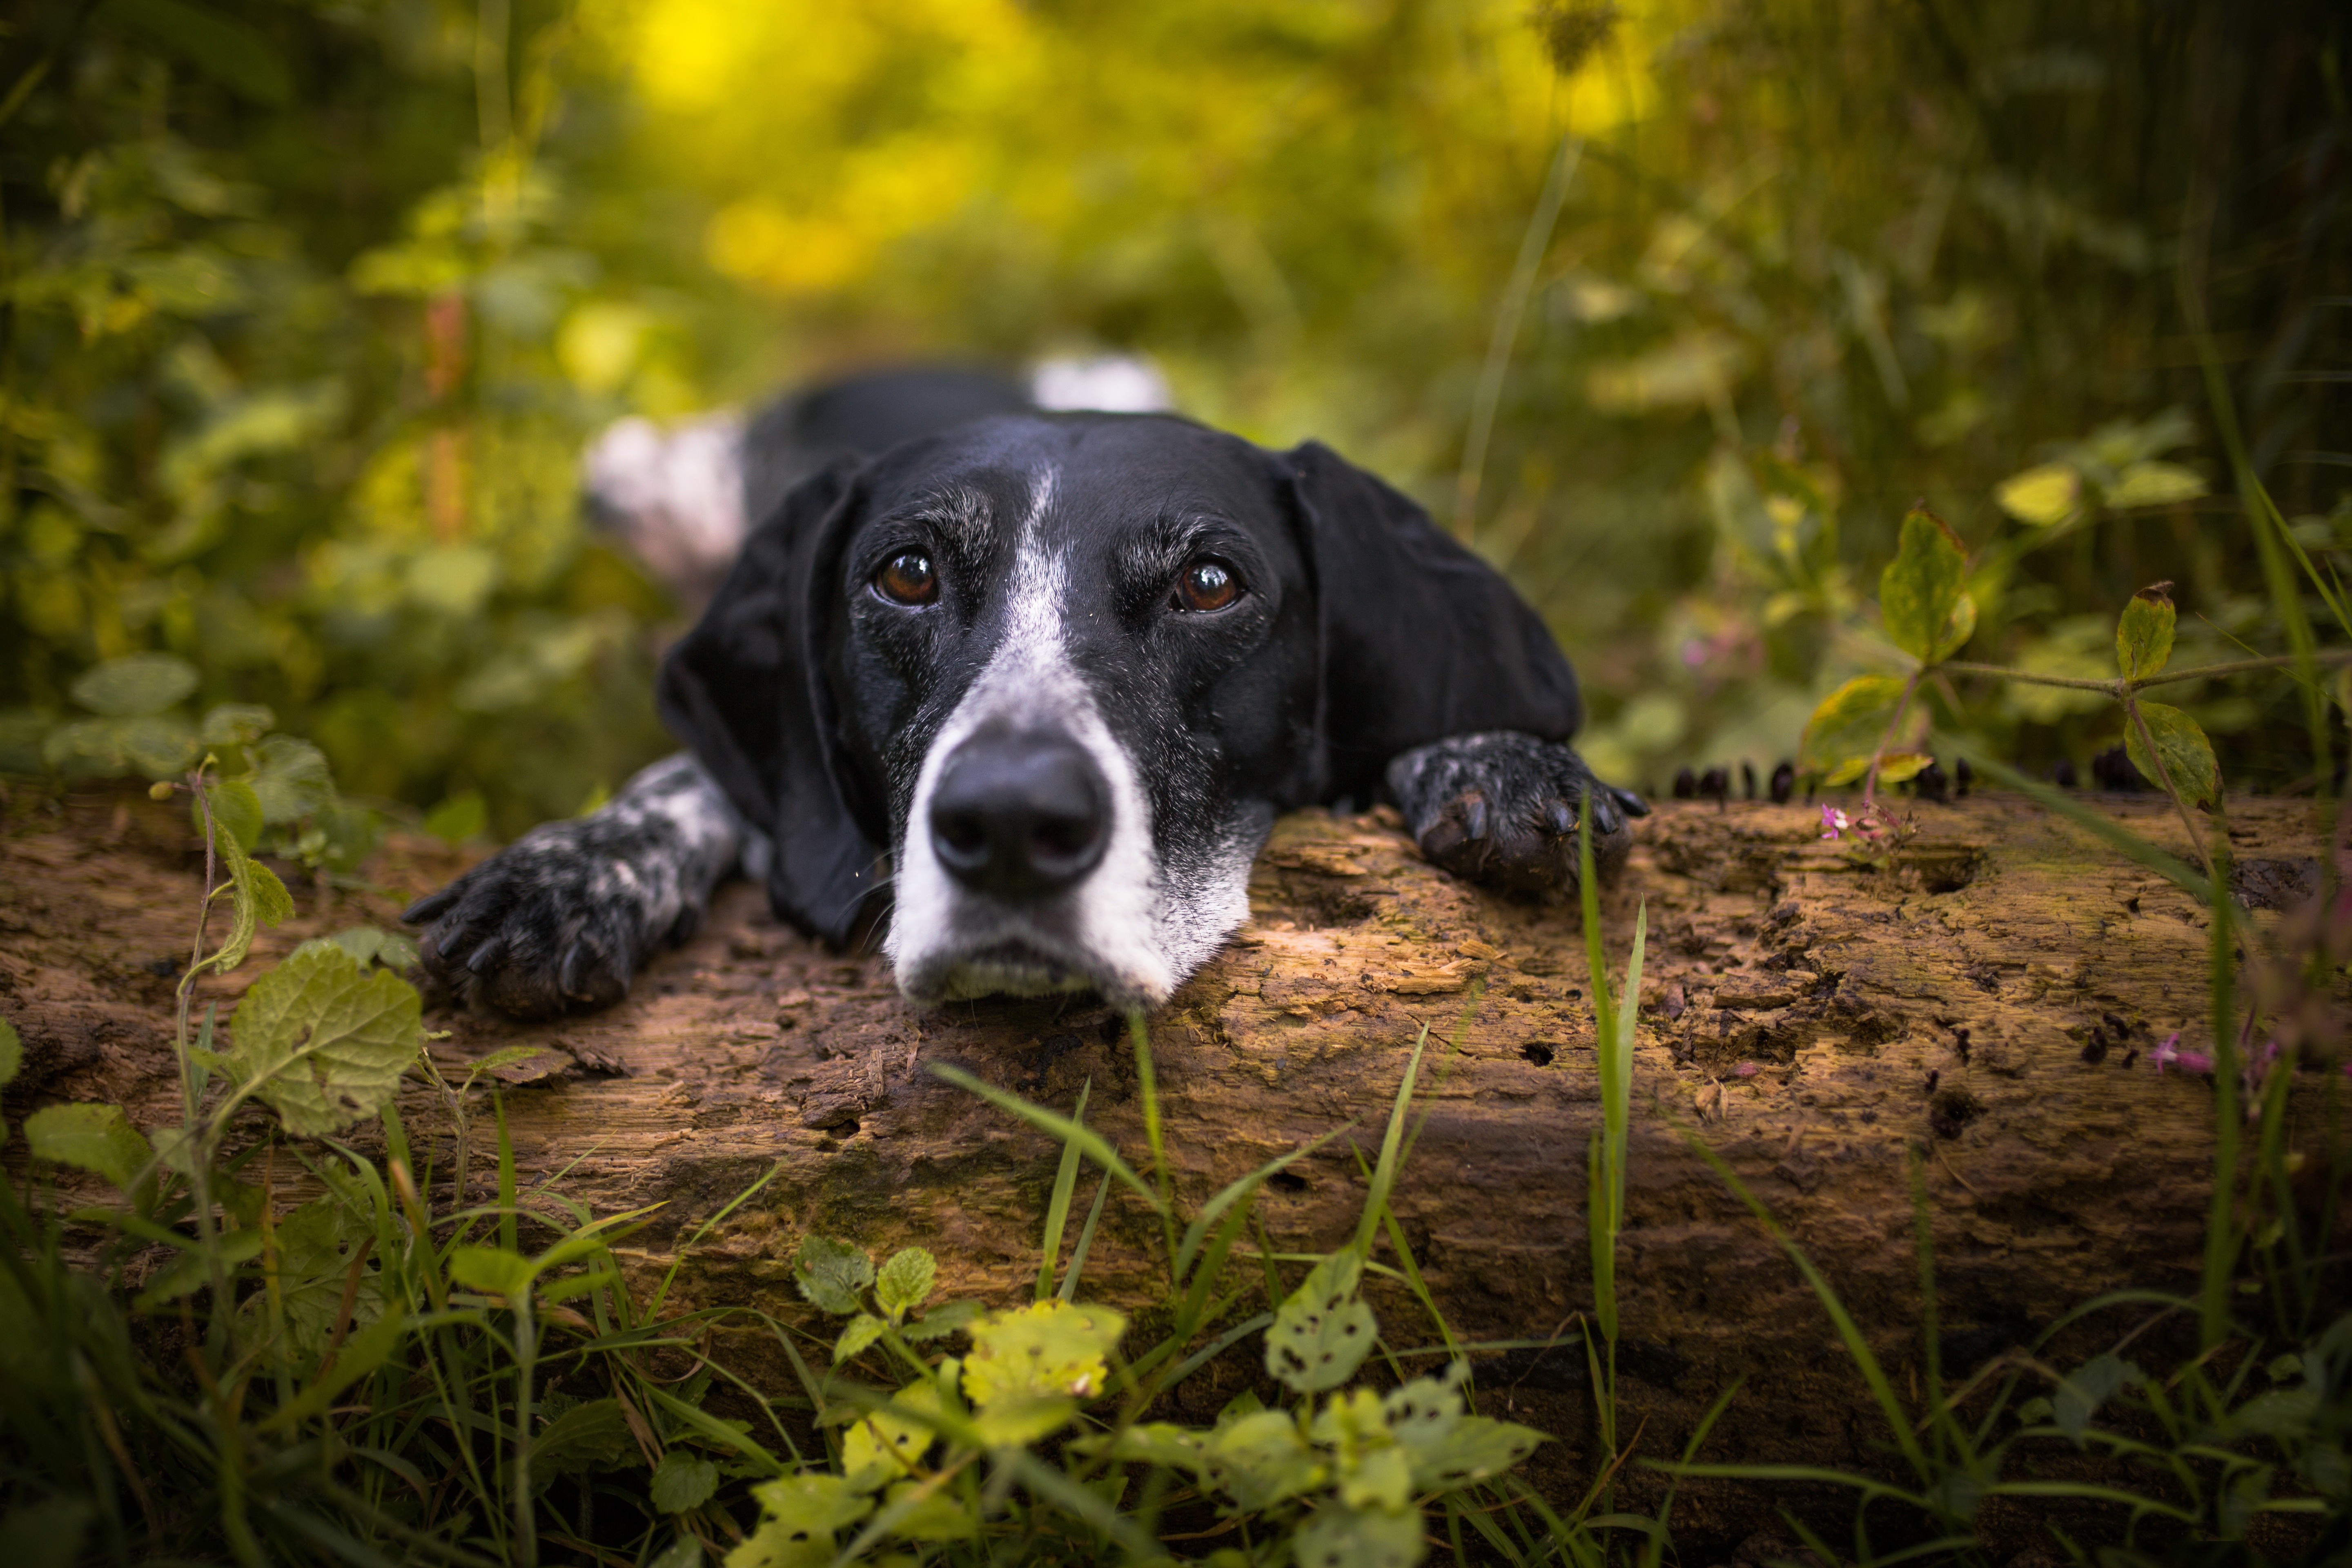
<point x="368" y="1348"/>
<point x="459" y="818"/>
<point x="799" y="1515"/>
<point x="2155" y="484"/>
<point x="886" y="1445"/>
<point x="1261" y="1460"/>
<point x="2143" y="635"/>
<point x="2042" y="496"/>
<point x="322" y="1041"/>
<point x="236" y="724"/>
<point x="591" y="1435"/>
<point x="1850" y="722"/>
<point x="1923" y="592"/>
<point x="2087" y="1388"/>
<point x="236" y="809"/>
<point x="683" y="1482"/>
<point x="152" y="746"/>
<point x="834" y="1275"/>
<point x="257" y="899"/>
<point x="192" y="1270"/>
<point x="135" y="688"/>
<point x="939" y="1517"/>
<point x="686" y="1552"/>
<point x="2187" y="755"/>
<point x="948" y="1317"/>
<point x="95" y="1138"/>
<point x="492" y="1270"/>
<point x="12" y="1054"/>
<point x="1046" y="1349"/>
<point x="289" y="779"/>
<point x="1336" y="1537"/>
<point x="862" y="1331"/>
<point x="905" y="1281"/>
<point x="1322" y="1334"/>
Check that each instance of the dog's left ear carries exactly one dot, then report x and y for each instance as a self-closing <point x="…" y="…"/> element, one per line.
<point x="745" y="689"/>
<point x="1419" y="639"/>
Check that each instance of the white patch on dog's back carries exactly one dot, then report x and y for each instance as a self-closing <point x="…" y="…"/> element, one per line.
<point x="949" y="941"/>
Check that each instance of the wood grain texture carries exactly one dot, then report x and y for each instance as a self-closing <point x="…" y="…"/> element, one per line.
<point x="1795" y="1005"/>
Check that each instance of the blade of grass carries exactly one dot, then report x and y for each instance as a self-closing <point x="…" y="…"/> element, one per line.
<point x="1384" y="1173"/>
<point x="1060" y="1126"/>
<point x="1057" y="1208"/>
<point x="1069" y="1289"/>
<point x="2161" y="861"/>
<point x="1148" y="1083"/>
<point x="1237" y="1191"/>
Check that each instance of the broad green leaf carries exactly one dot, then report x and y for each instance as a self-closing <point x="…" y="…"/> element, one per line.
<point x="367" y="1349"/>
<point x="1850" y="722"/>
<point x="1323" y="1331"/>
<point x="1381" y="1479"/>
<point x="2155" y="484"/>
<point x="593" y="1436"/>
<point x="257" y="899"/>
<point x="886" y="1445"/>
<point x="460" y="817"/>
<point x="323" y="1042"/>
<point x="2143" y="635"/>
<point x="135" y="686"/>
<point x="834" y="1275"/>
<point x="1043" y="1350"/>
<point x="1170" y="1446"/>
<point x="947" y="1317"/>
<point x="1337" y="1537"/>
<point x="1921" y="593"/>
<point x="94" y="1138"/>
<point x="2087" y="1388"/>
<point x="939" y="1517"/>
<point x="2187" y="755"/>
<point x="1016" y="1421"/>
<point x="236" y="724"/>
<point x="1898" y="767"/>
<point x="905" y="1281"/>
<point x="686" y="1552"/>
<point x="862" y="1331"/>
<point x="1261" y="1460"/>
<point x="289" y="779"/>
<point x="798" y="1516"/>
<point x="235" y="809"/>
<point x="2048" y="494"/>
<point x="683" y="1482"/>
<point x="12" y="1054"/>
<point x="1478" y="1448"/>
<point x="192" y="1270"/>
<point x="493" y="1270"/>
<point x="152" y="746"/>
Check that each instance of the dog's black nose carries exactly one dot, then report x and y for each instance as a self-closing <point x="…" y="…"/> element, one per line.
<point x="1020" y="816"/>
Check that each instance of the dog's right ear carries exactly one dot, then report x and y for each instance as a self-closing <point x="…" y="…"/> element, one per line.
<point x="745" y="689"/>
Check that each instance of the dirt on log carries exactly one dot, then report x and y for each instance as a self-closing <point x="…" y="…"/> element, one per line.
<point x="1992" y="1002"/>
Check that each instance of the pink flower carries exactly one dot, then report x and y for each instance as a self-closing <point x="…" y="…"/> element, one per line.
<point x="1833" y="821"/>
<point x="1745" y="1069"/>
<point x="2170" y="1052"/>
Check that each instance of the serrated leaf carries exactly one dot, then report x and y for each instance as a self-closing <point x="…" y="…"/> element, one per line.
<point x="290" y="778"/>
<point x="236" y="724"/>
<point x="948" y="1317"/>
<point x="492" y="1270"/>
<point x="323" y="1042"/>
<point x="1478" y="1448"/>
<point x="2045" y="495"/>
<point x="886" y="1445"/>
<point x="2155" y="484"/>
<point x="2186" y="753"/>
<point x="833" y="1275"/>
<point x="591" y="1435"/>
<point x="257" y="899"/>
<point x="683" y="1482"/>
<point x="95" y="1138"/>
<point x="1922" y="591"/>
<point x="135" y="686"/>
<point x="905" y="1281"/>
<point x="798" y="1516"/>
<point x="2144" y="634"/>
<point x="1337" y="1537"/>
<point x="12" y="1054"/>
<point x="1850" y="722"/>
<point x="1261" y="1460"/>
<point x="1046" y="1349"/>
<point x="191" y="1271"/>
<point x="2087" y="1387"/>
<point x="862" y="1331"/>
<point x="235" y="809"/>
<point x="939" y="1517"/>
<point x="1324" y="1330"/>
<point x="1899" y="767"/>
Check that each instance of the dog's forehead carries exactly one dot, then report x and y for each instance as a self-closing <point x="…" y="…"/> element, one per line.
<point x="1079" y="474"/>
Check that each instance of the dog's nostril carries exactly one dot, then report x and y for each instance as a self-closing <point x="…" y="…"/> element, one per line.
<point x="1019" y="815"/>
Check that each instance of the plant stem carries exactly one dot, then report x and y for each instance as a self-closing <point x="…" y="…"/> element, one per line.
<point x="195" y="1145"/>
<point x="1532" y="245"/>
<point x="2116" y="688"/>
<point x="1870" y="779"/>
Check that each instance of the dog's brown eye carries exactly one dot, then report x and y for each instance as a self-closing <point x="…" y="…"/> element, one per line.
<point x="907" y="579"/>
<point x="1207" y="584"/>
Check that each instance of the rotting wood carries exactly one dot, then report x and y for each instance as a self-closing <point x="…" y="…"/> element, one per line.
<point x="1796" y="1006"/>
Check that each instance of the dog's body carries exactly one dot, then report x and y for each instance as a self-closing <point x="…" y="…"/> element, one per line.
<point x="1034" y="688"/>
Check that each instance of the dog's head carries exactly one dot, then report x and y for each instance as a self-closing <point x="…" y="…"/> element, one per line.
<point x="1044" y="680"/>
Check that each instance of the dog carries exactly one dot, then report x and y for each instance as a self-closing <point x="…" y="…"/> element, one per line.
<point x="1024" y="693"/>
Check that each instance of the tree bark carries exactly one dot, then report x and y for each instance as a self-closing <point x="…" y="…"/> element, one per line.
<point x="1988" y="1008"/>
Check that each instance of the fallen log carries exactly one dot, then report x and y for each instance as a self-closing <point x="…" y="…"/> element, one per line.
<point x="1988" y="1005"/>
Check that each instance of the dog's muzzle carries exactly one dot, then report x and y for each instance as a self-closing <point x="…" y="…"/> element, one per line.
<point x="1020" y="815"/>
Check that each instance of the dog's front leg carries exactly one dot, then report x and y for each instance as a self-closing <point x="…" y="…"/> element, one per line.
<point x="1503" y="808"/>
<point x="564" y="918"/>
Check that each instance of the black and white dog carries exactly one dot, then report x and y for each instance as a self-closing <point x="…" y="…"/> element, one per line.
<point x="1032" y="690"/>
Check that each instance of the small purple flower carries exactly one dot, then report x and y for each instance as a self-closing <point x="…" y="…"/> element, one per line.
<point x="1833" y="821"/>
<point x="2187" y="1061"/>
<point x="1745" y="1069"/>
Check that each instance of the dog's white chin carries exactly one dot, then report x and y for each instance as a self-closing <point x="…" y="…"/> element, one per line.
<point x="1030" y="964"/>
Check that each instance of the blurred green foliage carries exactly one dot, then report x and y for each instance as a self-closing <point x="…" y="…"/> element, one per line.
<point x="310" y="307"/>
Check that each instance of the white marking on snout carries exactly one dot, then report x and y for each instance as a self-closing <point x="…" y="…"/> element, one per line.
<point x="949" y="941"/>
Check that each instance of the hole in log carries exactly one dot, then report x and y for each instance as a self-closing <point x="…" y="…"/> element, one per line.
<point x="1537" y="1052"/>
<point x="1945" y="871"/>
<point x="1288" y="1182"/>
<point x="1949" y="1109"/>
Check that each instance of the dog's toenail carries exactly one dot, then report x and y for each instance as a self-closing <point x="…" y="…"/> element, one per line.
<point x="1474" y="816"/>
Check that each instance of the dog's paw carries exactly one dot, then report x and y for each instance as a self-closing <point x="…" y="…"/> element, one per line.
<point x="559" y="922"/>
<point x="1504" y="809"/>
